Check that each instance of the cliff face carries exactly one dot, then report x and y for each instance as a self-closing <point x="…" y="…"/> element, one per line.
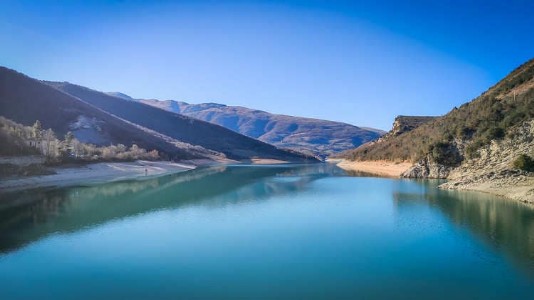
<point x="427" y="168"/>
<point x="404" y="124"/>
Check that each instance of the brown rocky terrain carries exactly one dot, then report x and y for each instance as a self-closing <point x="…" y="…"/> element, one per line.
<point x="493" y="170"/>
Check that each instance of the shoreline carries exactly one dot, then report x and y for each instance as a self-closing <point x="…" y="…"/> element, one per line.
<point x="105" y="172"/>
<point x="98" y="173"/>
<point x="379" y="168"/>
<point x="518" y="189"/>
<point x="521" y="190"/>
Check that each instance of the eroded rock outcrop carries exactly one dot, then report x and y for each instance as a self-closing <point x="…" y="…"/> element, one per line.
<point x="426" y="168"/>
<point x="403" y="124"/>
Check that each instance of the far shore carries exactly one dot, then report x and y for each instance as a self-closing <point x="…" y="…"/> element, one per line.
<point x="379" y="168"/>
<point x="98" y="173"/>
<point x="102" y="172"/>
<point x="95" y="173"/>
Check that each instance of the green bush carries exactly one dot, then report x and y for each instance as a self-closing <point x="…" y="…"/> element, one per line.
<point x="494" y="133"/>
<point x="524" y="162"/>
<point x="445" y="153"/>
<point x="472" y="150"/>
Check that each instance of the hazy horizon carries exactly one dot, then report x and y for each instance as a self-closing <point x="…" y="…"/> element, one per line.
<point x="346" y="61"/>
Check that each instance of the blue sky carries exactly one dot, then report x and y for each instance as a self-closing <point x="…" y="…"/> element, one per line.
<point x="360" y="62"/>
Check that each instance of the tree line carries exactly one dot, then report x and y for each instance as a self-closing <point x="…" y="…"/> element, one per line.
<point x="17" y="139"/>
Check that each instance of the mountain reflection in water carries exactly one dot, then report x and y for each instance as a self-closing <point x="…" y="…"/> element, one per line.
<point x="506" y="225"/>
<point x="31" y="215"/>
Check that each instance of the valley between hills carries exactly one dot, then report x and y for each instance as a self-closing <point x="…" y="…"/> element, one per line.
<point x="486" y="144"/>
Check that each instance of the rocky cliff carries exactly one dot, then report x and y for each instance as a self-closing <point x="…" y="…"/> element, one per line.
<point x="403" y="124"/>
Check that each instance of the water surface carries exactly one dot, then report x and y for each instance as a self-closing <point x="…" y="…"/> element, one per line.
<point x="294" y="231"/>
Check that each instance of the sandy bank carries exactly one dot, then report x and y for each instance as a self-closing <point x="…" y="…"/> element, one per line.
<point x="516" y="187"/>
<point x="379" y="168"/>
<point x="96" y="173"/>
<point x="267" y="161"/>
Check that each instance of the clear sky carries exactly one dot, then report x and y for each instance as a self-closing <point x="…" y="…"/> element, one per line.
<point x="360" y="62"/>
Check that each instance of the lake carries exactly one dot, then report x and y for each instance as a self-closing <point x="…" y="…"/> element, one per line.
<point x="284" y="232"/>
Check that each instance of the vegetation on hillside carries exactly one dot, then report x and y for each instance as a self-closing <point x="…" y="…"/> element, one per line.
<point x="491" y="116"/>
<point x="24" y="100"/>
<point x="525" y="163"/>
<point x="17" y="139"/>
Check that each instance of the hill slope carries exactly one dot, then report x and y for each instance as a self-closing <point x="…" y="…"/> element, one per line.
<point x="491" y="116"/>
<point x="182" y="128"/>
<point x="479" y="139"/>
<point x="307" y="135"/>
<point x="25" y="100"/>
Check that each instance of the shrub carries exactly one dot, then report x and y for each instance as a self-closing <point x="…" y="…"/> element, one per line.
<point x="445" y="153"/>
<point x="524" y="162"/>
<point x="472" y="149"/>
<point x="494" y="133"/>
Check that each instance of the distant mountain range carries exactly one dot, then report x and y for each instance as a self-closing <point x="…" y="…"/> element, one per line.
<point x="176" y="128"/>
<point x="101" y="119"/>
<point x="311" y="136"/>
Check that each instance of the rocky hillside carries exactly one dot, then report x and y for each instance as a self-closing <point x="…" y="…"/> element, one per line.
<point x="493" y="169"/>
<point x="480" y="139"/>
<point x="311" y="136"/>
<point x="179" y="127"/>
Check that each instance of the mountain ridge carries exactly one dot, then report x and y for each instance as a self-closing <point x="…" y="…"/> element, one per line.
<point x="308" y="135"/>
<point x="182" y="128"/>
<point x="24" y="100"/>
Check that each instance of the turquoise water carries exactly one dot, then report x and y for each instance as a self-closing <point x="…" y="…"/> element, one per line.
<point x="290" y="232"/>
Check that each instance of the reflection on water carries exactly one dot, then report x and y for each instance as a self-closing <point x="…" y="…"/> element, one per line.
<point x="286" y="231"/>
<point x="31" y="215"/>
<point x="506" y="225"/>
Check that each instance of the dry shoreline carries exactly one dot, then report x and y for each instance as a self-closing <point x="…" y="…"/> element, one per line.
<point x="520" y="189"/>
<point x="97" y="173"/>
<point x="379" y="168"/>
